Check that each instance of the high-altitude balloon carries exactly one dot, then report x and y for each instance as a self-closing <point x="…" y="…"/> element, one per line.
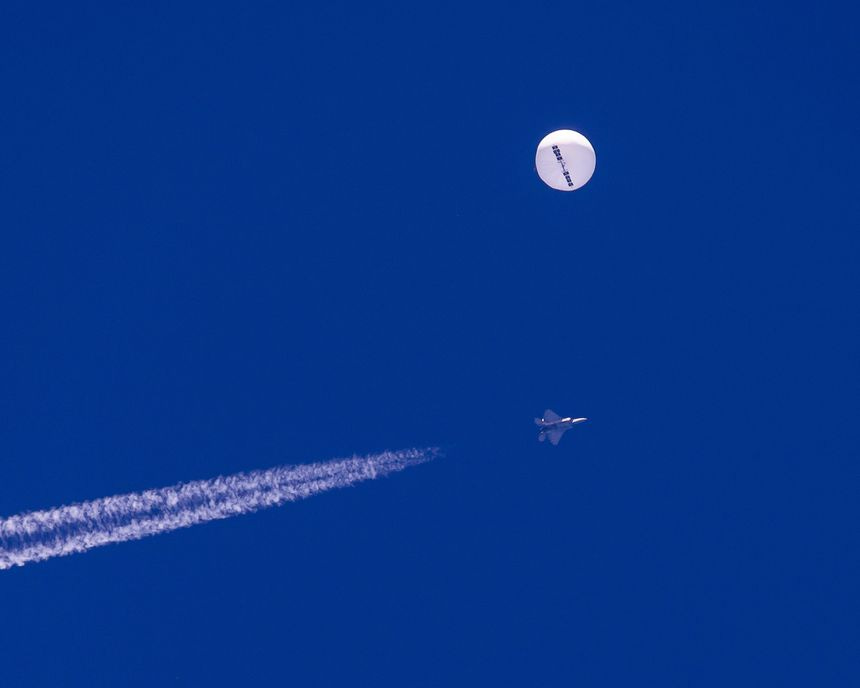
<point x="565" y="160"/>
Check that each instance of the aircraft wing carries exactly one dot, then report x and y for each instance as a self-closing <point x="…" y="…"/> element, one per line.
<point x="555" y="436"/>
<point x="551" y="416"/>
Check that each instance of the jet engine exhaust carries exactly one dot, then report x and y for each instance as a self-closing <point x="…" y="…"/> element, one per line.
<point x="40" y="535"/>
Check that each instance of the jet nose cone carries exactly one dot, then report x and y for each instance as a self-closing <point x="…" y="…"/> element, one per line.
<point x="579" y="420"/>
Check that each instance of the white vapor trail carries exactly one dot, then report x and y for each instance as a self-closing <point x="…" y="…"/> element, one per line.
<point x="40" y="535"/>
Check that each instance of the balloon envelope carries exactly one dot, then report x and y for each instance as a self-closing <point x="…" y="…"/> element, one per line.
<point x="565" y="160"/>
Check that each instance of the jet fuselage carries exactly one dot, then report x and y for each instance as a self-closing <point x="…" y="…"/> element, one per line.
<point x="553" y="427"/>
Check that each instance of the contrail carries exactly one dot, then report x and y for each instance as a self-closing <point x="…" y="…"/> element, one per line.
<point x="40" y="535"/>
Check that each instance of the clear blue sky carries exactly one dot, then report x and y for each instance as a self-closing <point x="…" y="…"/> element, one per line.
<point x="240" y="235"/>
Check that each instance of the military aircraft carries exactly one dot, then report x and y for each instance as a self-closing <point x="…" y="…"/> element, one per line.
<point x="553" y="426"/>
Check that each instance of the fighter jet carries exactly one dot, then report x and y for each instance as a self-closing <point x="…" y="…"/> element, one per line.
<point x="553" y="426"/>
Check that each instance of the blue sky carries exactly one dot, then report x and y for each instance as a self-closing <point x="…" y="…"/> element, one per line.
<point x="241" y="237"/>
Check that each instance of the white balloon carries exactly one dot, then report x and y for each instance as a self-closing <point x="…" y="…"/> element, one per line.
<point x="565" y="160"/>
